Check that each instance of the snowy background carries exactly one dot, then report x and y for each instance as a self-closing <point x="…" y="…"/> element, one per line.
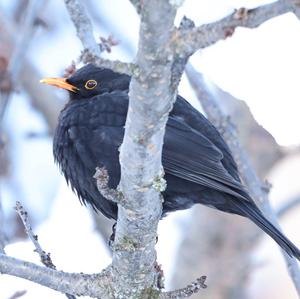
<point x="261" y="67"/>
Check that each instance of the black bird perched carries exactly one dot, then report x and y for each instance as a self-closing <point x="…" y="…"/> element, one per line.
<point x="198" y="165"/>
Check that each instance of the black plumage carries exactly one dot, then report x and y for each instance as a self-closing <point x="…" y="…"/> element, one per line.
<point x="198" y="165"/>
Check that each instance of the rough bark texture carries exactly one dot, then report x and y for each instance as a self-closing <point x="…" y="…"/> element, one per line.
<point x="140" y="155"/>
<point x="208" y="34"/>
<point x="94" y="285"/>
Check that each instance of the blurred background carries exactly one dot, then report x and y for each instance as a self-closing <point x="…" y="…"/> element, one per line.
<point x="254" y="76"/>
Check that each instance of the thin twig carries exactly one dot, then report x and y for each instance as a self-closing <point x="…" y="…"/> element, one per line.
<point x="115" y="65"/>
<point x="229" y="133"/>
<point x="102" y="178"/>
<point x="186" y="292"/>
<point x="189" y="41"/>
<point x="45" y="257"/>
<point x="18" y="294"/>
<point x="92" y="51"/>
<point x="83" y="26"/>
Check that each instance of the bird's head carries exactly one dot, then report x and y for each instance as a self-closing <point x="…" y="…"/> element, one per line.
<point x="89" y="81"/>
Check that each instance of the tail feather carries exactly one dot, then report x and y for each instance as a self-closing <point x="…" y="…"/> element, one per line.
<point x="249" y="210"/>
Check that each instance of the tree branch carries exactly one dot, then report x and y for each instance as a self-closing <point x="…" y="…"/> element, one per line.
<point x="45" y="257"/>
<point x="102" y="179"/>
<point x="92" y="52"/>
<point x="93" y="285"/>
<point x="188" y="291"/>
<point x="83" y="26"/>
<point x="115" y="65"/>
<point x="189" y="41"/>
<point x="255" y="186"/>
<point x="18" y="294"/>
<point x="140" y="155"/>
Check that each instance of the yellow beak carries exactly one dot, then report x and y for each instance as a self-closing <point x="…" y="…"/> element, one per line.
<point x="61" y="83"/>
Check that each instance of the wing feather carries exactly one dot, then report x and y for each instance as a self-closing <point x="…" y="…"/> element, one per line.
<point x="188" y="154"/>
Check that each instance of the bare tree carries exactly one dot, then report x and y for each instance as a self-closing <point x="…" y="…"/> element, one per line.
<point x="160" y="61"/>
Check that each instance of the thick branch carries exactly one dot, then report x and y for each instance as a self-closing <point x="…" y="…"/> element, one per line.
<point x="140" y="156"/>
<point x="255" y="186"/>
<point x="94" y="285"/>
<point x="189" y="41"/>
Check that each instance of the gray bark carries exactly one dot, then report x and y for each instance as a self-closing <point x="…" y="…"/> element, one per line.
<point x="140" y="154"/>
<point x="94" y="285"/>
<point x="208" y="34"/>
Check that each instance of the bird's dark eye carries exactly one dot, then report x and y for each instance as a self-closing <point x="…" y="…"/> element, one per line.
<point x="90" y="84"/>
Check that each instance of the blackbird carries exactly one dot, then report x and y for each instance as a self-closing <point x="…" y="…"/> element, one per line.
<point x="199" y="167"/>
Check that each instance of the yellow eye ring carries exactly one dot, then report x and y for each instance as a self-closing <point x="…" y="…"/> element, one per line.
<point x="90" y="84"/>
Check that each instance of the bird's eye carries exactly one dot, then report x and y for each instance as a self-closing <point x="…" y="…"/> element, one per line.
<point x="90" y="84"/>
